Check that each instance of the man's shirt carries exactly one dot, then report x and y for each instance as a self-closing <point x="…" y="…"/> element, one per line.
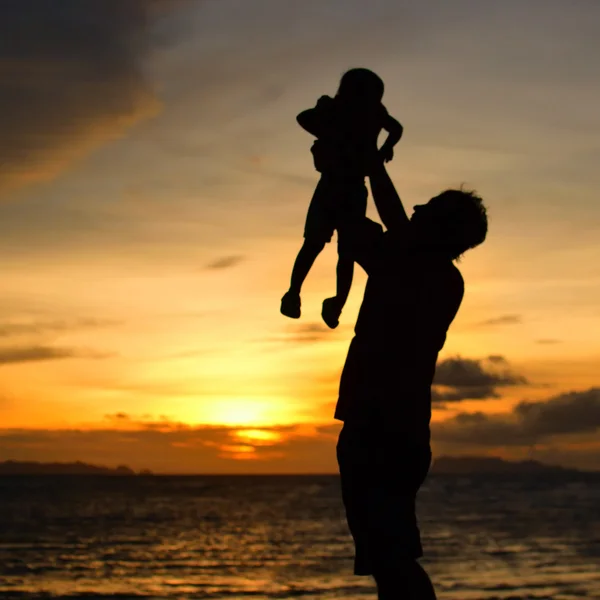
<point x="410" y="299"/>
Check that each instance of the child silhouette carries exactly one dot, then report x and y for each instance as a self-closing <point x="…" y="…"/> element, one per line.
<point x="347" y="128"/>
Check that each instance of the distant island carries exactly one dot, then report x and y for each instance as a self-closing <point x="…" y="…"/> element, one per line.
<point x="464" y="465"/>
<point x="444" y="465"/>
<point x="11" y="467"/>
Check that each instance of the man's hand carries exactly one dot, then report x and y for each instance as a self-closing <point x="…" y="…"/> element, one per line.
<point x="387" y="200"/>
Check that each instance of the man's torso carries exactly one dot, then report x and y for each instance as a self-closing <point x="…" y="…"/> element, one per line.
<point x="409" y="303"/>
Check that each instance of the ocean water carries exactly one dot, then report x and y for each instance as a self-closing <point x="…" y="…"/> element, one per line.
<point x="485" y="537"/>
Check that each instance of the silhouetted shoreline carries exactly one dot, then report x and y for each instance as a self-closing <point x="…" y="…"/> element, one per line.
<point x="459" y="465"/>
<point x="444" y="465"/>
<point x="12" y="467"/>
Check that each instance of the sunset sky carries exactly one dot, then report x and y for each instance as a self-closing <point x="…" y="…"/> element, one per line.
<point x="153" y="191"/>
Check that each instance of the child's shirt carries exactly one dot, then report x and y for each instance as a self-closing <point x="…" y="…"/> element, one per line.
<point x="350" y="131"/>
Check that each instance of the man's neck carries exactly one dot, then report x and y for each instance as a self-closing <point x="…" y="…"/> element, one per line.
<point x="431" y="251"/>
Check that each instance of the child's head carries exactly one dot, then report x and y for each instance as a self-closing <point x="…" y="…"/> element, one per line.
<point x="361" y="85"/>
<point x="455" y="220"/>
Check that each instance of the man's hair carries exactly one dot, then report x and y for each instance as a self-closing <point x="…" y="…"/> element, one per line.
<point x="361" y="80"/>
<point x="467" y="220"/>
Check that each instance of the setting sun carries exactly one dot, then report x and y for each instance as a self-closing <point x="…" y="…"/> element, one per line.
<point x="259" y="437"/>
<point x="246" y="411"/>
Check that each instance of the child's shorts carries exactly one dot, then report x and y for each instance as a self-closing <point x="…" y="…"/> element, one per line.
<point x="334" y="201"/>
<point x="380" y="478"/>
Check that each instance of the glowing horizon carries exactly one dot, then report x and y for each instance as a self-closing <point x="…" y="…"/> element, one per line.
<point x="148" y="235"/>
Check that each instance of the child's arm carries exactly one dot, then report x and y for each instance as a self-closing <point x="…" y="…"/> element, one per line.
<point x="395" y="130"/>
<point x="309" y="121"/>
<point x="314" y="120"/>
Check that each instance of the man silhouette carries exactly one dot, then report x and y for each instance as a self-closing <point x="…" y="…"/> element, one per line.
<point x="412" y="294"/>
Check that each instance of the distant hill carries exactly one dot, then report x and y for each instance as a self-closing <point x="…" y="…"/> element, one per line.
<point x="491" y="464"/>
<point x="11" y="467"/>
<point x="450" y="465"/>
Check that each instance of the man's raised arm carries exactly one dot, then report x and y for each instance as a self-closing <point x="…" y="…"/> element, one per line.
<point x="387" y="201"/>
<point x="361" y="240"/>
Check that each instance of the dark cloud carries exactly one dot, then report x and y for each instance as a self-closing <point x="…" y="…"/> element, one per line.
<point x="576" y="412"/>
<point x="120" y="416"/>
<point x="309" y="332"/>
<point x="43" y="353"/>
<point x="502" y="320"/>
<point x="439" y="396"/>
<point x="548" y="341"/>
<point x="43" y="327"/>
<point x="330" y="430"/>
<point x="497" y="359"/>
<point x="225" y="262"/>
<point x="71" y="77"/>
<point x="459" y="378"/>
<point x="306" y="333"/>
<point x="572" y="412"/>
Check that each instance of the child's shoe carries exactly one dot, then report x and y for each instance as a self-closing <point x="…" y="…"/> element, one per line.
<point x="332" y="309"/>
<point x="290" y="305"/>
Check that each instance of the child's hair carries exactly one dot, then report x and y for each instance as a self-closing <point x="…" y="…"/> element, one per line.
<point x="361" y="84"/>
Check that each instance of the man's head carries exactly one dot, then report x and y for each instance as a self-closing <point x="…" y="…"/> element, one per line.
<point x="454" y="221"/>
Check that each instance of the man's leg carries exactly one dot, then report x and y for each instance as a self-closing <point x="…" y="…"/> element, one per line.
<point x="408" y="582"/>
<point x="345" y="274"/>
<point x="354" y="477"/>
<point x="400" y="472"/>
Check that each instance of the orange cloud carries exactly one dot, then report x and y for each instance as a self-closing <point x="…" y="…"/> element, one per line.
<point x="177" y="448"/>
<point x="560" y="430"/>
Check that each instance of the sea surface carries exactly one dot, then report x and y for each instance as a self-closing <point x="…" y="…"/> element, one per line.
<point x="485" y="537"/>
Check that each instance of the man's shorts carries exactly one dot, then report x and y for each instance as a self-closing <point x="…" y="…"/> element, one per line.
<point x="334" y="202"/>
<point x="380" y="478"/>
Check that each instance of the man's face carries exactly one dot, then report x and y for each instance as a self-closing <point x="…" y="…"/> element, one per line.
<point x="428" y="220"/>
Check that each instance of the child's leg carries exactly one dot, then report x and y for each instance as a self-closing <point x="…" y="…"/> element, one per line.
<point x="290" y="303"/>
<point x="318" y="230"/>
<point x="332" y="307"/>
<point x="303" y="264"/>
